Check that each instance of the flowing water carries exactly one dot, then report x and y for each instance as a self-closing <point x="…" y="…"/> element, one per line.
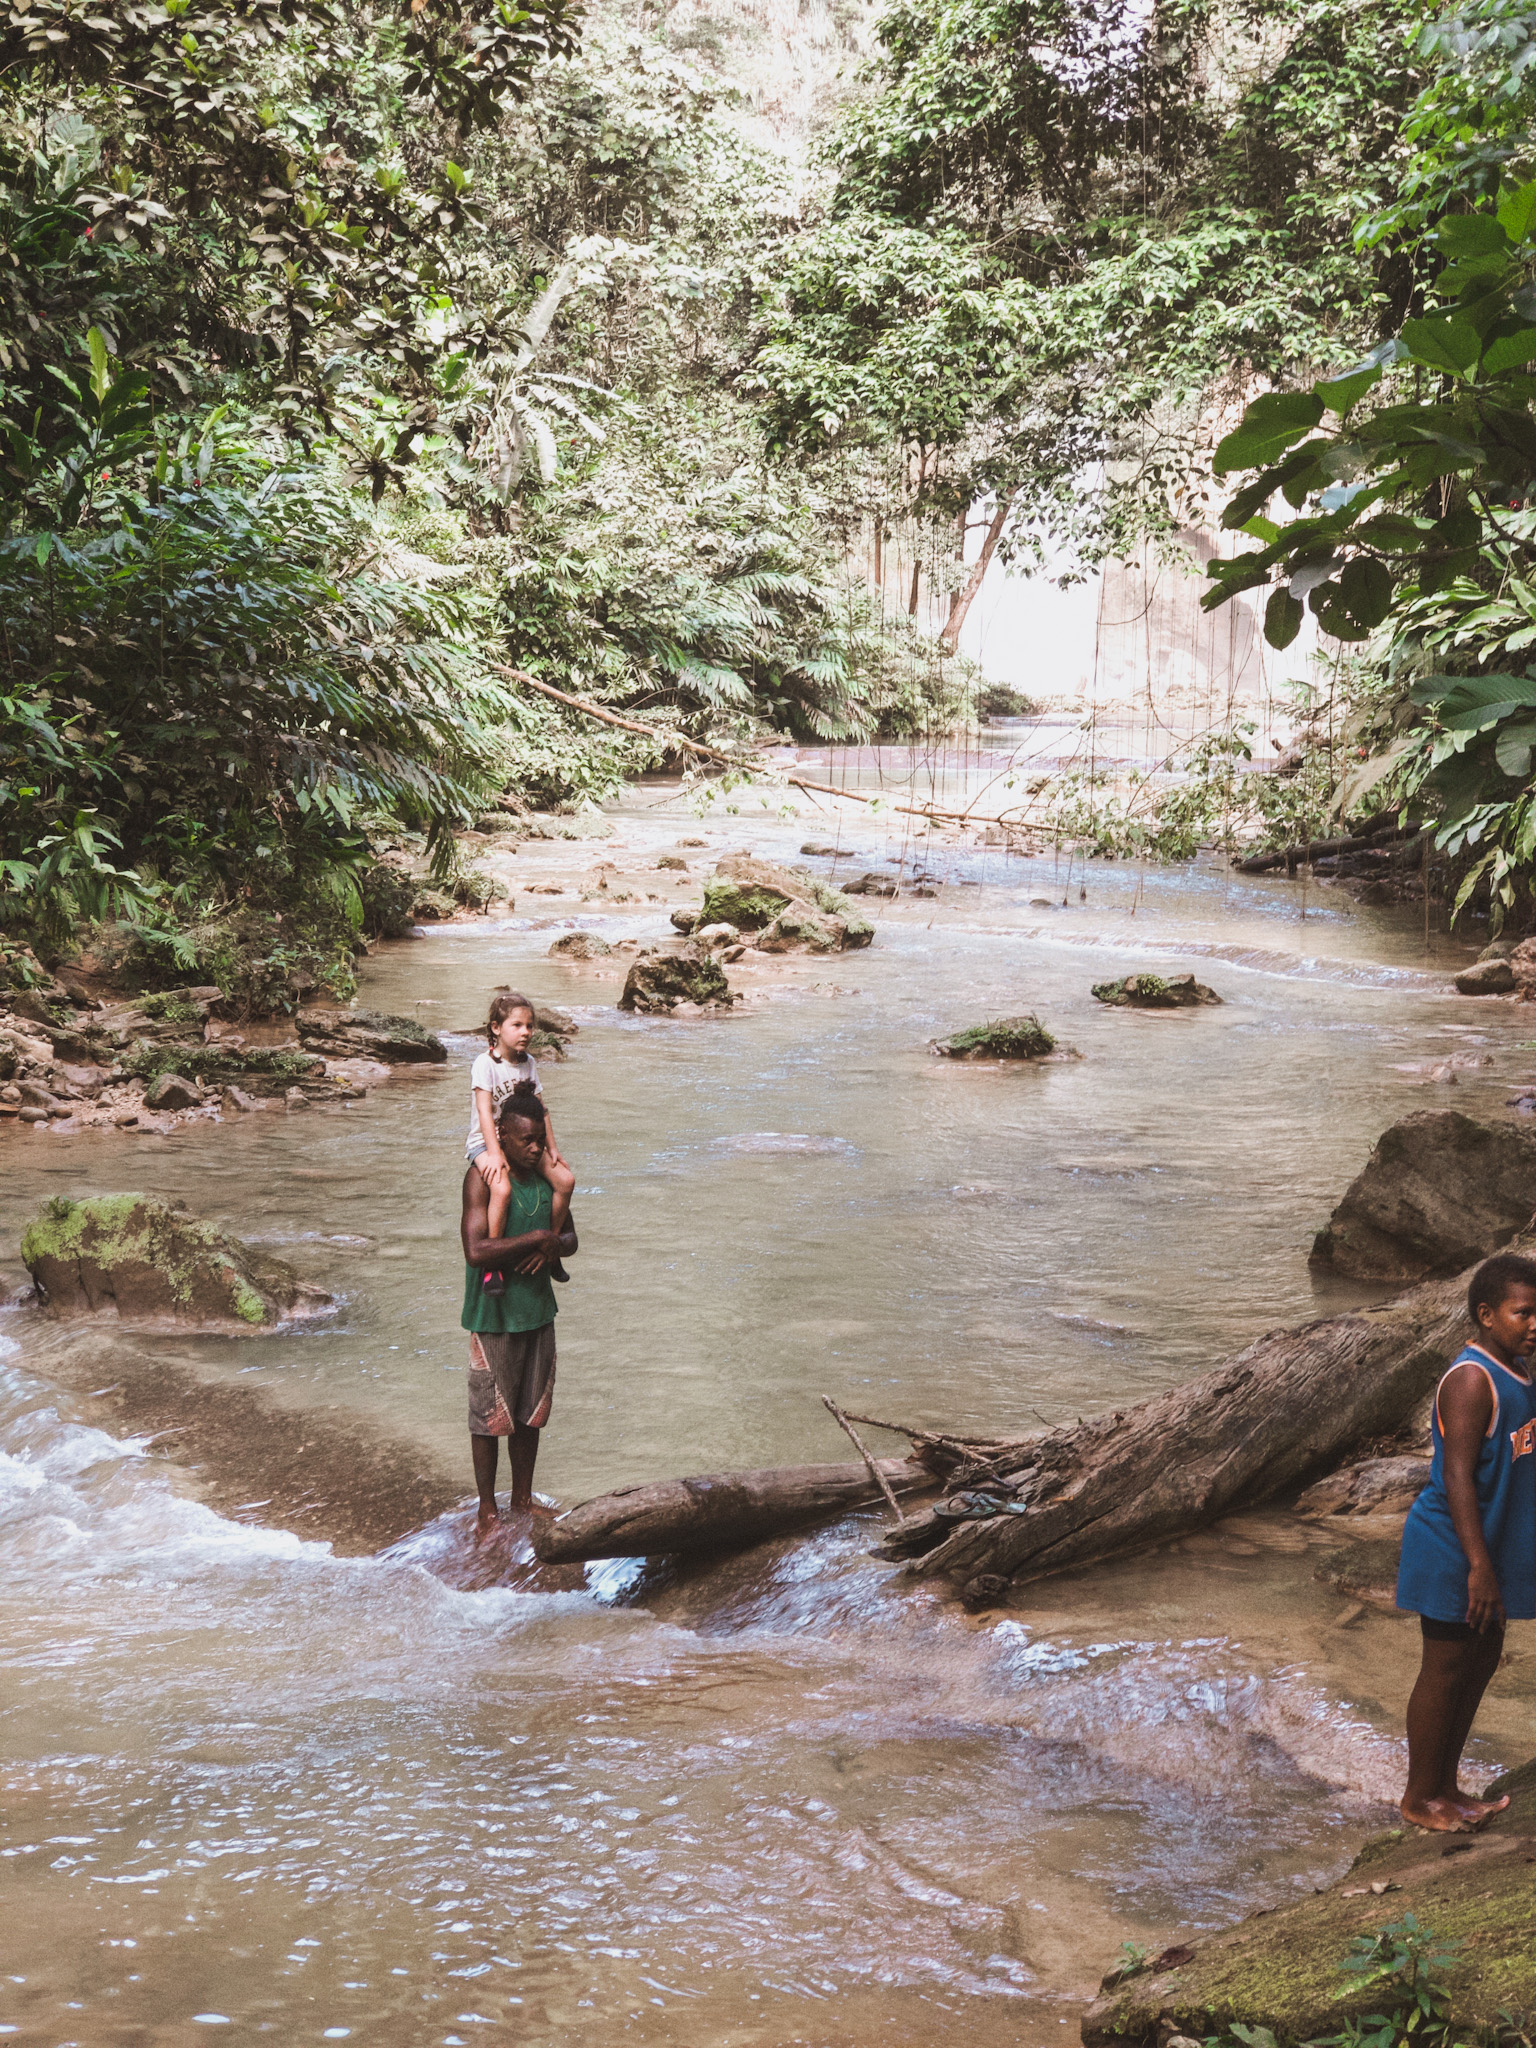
<point x="253" y="1786"/>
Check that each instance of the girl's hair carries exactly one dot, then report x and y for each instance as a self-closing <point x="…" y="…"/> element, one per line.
<point x="522" y="1102"/>
<point x="502" y="1007"/>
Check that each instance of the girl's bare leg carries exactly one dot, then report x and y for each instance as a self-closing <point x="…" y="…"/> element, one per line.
<point x="562" y="1184"/>
<point x="500" y="1188"/>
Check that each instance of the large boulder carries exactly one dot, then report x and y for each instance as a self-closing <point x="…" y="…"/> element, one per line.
<point x="754" y="894"/>
<point x="370" y="1034"/>
<point x="799" y="928"/>
<point x="1493" y="977"/>
<point x="131" y="1259"/>
<point x="1155" y="992"/>
<point x="579" y="946"/>
<point x="1440" y="1192"/>
<point x="658" y="982"/>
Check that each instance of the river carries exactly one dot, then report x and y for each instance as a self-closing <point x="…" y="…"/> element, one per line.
<point x="255" y="1787"/>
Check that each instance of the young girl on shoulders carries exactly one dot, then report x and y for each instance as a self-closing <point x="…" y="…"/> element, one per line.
<point x="496" y="1072"/>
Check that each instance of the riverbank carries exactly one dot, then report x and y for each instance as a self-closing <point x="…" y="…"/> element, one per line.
<point x="775" y="1797"/>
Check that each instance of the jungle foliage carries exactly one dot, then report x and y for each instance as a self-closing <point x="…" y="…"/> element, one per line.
<point x="1406" y="479"/>
<point x="346" y="354"/>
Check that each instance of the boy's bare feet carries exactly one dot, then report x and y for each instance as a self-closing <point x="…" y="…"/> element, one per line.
<point x="1437" y="1816"/>
<point x="1477" y="1810"/>
<point x="488" y="1519"/>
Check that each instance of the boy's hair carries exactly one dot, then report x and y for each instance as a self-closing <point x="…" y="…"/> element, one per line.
<point x="502" y="1007"/>
<point x="524" y="1102"/>
<point x="1497" y="1277"/>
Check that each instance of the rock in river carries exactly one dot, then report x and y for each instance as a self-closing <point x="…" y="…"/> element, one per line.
<point x="1440" y="1191"/>
<point x="792" y="911"/>
<point x="658" y="982"/>
<point x="397" y="1041"/>
<point x="132" y="1259"/>
<point x="1486" y="978"/>
<point x="1154" y="992"/>
<point x="1006" y="1038"/>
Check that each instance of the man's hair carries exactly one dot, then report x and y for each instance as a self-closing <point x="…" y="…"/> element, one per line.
<point x="524" y="1102"/>
<point x="502" y="1007"/>
<point x="1497" y="1277"/>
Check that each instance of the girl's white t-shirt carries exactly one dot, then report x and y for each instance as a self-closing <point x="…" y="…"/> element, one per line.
<point x="498" y="1078"/>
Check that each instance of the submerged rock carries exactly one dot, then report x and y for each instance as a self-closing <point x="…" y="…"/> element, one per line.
<point x="1155" y="992"/>
<point x="579" y="946"/>
<point x="1006" y="1038"/>
<point x="1376" y="1486"/>
<point x="658" y="982"/>
<point x="132" y="1259"/>
<point x="1493" y="977"/>
<point x="1440" y="1192"/>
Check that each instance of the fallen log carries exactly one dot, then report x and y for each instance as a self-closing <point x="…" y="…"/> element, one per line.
<point x="1375" y="832"/>
<point x="1287" y="1409"/>
<point x="719" y="1511"/>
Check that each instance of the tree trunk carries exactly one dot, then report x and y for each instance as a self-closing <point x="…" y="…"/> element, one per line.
<point x="1289" y="1408"/>
<point x="964" y="596"/>
<point x="912" y="600"/>
<point x="720" y="1511"/>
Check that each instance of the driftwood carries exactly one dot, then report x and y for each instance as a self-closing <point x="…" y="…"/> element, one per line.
<point x="1287" y="1409"/>
<point x="719" y="1511"/>
<point x="1382" y="831"/>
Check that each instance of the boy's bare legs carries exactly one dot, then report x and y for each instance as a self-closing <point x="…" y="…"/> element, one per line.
<point x="1452" y="1680"/>
<point x="522" y="1451"/>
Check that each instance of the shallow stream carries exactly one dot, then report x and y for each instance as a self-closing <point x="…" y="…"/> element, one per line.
<point x="253" y="1787"/>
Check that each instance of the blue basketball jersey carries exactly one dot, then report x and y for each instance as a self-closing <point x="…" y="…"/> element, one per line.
<point x="1432" y="1578"/>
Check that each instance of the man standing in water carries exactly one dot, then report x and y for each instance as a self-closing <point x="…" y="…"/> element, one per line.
<point x="512" y="1335"/>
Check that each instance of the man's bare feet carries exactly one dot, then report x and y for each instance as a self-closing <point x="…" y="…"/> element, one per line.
<point x="489" y="1518"/>
<point x="1438" y="1816"/>
<point x="1477" y="1811"/>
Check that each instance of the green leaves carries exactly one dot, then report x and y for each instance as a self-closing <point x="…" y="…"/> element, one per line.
<point x="1270" y="424"/>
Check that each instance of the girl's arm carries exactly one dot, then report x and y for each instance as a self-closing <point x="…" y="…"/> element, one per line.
<point x="1466" y="1409"/>
<point x="488" y="1128"/>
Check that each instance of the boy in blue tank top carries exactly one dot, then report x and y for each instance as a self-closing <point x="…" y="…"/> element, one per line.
<point x="1469" y="1543"/>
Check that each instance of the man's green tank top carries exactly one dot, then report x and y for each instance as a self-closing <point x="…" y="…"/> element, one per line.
<point x="529" y="1302"/>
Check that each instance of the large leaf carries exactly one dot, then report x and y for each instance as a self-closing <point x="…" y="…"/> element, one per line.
<point x="1342" y="392"/>
<point x="1269" y="426"/>
<point x="1509" y="346"/>
<point x="1460" y="691"/>
<point x="1517" y="211"/>
<point x="1513" y="749"/>
<point x="1444" y="341"/>
<point x="1282" y="619"/>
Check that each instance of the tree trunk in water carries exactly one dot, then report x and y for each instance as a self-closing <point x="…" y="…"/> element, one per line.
<point x="964" y="596"/>
<point x="1289" y="1408"/>
<point x="719" y="1511"/>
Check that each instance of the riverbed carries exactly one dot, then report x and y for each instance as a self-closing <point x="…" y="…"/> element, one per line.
<point x="258" y="1786"/>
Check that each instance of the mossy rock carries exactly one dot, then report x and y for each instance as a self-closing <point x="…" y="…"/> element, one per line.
<point x="1155" y="992"/>
<point x="431" y="906"/>
<point x="1006" y="1038"/>
<point x="217" y="1065"/>
<point x="579" y="946"/>
<point x="799" y="928"/>
<point x="132" y="1259"/>
<point x="1281" y="1970"/>
<point x="658" y="982"/>
<point x="372" y="1035"/>
<point x="754" y="894"/>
